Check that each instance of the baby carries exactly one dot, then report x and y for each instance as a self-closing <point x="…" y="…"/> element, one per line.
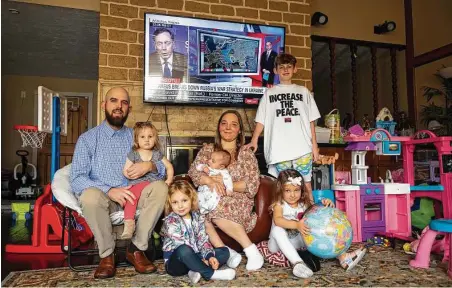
<point x="219" y="160"/>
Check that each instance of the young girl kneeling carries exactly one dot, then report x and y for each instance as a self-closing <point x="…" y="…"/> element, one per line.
<point x="186" y="246"/>
<point x="290" y="202"/>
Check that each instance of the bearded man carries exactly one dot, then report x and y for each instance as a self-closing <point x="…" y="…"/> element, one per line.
<point x="98" y="181"/>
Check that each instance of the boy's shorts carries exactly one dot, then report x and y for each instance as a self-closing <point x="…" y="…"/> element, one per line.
<point x="303" y="165"/>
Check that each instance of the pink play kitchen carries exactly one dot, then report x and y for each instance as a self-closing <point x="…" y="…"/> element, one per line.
<point x="384" y="207"/>
<point x="369" y="205"/>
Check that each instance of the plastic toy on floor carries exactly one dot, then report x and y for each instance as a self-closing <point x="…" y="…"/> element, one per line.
<point x="20" y="230"/>
<point x="21" y="211"/>
<point x="24" y="177"/>
<point x="378" y="241"/>
<point x="437" y="246"/>
<point x="408" y="249"/>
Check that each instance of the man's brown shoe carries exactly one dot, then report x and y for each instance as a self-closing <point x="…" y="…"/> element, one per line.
<point x="106" y="268"/>
<point x="141" y="263"/>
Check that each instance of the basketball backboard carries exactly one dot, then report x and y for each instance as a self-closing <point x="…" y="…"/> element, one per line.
<point x="45" y="108"/>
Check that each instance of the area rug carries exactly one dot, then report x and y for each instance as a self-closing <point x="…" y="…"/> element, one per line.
<point x="380" y="267"/>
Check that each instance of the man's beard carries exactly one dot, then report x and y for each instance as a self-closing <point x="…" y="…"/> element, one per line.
<point x="116" y="121"/>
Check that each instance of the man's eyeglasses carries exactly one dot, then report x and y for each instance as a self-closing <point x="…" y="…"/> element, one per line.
<point x="160" y="44"/>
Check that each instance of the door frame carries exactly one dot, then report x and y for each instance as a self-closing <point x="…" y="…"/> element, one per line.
<point x="88" y="95"/>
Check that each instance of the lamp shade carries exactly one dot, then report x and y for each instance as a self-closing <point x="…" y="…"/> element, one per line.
<point x="446" y="72"/>
<point x="434" y="125"/>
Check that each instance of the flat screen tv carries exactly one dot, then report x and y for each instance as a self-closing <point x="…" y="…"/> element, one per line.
<point x="194" y="61"/>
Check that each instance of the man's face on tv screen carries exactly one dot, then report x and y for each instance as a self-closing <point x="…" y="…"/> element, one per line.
<point x="268" y="45"/>
<point x="164" y="45"/>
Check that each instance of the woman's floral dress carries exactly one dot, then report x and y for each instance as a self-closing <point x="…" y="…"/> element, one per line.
<point x="238" y="207"/>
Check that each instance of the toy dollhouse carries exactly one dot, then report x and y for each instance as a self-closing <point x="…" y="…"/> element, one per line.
<point x="359" y="168"/>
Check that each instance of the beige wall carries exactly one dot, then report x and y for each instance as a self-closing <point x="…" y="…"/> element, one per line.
<point x="121" y="51"/>
<point x="424" y="76"/>
<point x="355" y="19"/>
<point x="432" y="22"/>
<point x="16" y="110"/>
<point x="93" y="5"/>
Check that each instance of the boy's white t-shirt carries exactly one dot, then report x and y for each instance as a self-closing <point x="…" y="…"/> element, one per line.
<point x="286" y="112"/>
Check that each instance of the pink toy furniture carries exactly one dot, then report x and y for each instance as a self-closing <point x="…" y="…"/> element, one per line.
<point x="372" y="206"/>
<point x="348" y="200"/>
<point x="425" y="246"/>
<point x="366" y="204"/>
<point x="398" y="209"/>
<point x="441" y="192"/>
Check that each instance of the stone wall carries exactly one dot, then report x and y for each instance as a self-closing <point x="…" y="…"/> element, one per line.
<point x="121" y="48"/>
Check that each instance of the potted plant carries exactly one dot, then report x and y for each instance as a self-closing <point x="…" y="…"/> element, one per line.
<point x="433" y="112"/>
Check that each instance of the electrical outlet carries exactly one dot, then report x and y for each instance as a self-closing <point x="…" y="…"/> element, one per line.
<point x="23" y="94"/>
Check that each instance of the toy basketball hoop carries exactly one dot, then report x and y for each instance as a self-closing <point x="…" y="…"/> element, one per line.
<point x="49" y="109"/>
<point x="31" y="137"/>
<point x="52" y="119"/>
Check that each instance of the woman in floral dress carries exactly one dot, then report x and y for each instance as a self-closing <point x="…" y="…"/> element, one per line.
<point x="233" y="213"/>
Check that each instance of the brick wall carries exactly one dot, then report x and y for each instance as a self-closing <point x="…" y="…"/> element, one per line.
<point x="121" y="48"/>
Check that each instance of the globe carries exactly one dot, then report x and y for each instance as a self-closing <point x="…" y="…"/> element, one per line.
<point x="331" y="233"/>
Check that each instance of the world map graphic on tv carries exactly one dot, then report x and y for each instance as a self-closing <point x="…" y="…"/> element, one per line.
<point x="222" y="53"/>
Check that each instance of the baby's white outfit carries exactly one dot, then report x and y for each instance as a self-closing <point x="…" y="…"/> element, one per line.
<point x="207" y="199"/>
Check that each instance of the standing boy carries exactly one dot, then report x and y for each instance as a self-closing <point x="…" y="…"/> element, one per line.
<point x="287" y="111"/>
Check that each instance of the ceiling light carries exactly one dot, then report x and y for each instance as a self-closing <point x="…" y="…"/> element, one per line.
<point x="318" y="18"/>
<point x="386" y="27"/>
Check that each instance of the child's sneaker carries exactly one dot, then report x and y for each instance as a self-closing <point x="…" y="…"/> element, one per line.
<point x="194" y="276"/>
<point x="129" y="228"/>
<point x="225" y="274"/>
<point x="301" y="270"/>
<point x="353" y="258"/>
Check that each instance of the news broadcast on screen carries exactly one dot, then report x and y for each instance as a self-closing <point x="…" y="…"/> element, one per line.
<point x="208" y="62"/>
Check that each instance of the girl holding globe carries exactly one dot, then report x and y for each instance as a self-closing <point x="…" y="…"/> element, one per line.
<point x="290" y="203"/>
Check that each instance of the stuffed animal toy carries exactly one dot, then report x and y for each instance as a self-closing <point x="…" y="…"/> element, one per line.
<point x="327" y="160"/>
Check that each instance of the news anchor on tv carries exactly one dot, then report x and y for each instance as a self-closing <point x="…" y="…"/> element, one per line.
<point x="165" y="62"/>
<point x="267" y="64"/>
